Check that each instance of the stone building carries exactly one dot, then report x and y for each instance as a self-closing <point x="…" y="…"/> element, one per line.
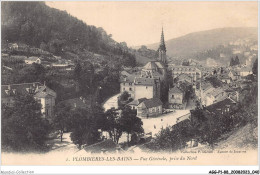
<point x="150" y="108"/>
<point x="146" y="88"/>
<point x="191" y="71"/>
<point x="176" y="98"/>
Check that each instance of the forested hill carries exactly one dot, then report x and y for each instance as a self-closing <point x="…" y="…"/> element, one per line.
<point x="37" y="25"/>
<point x="193" y="43"/>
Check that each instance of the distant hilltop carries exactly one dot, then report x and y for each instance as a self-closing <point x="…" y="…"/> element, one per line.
<point x="192" y="43"/>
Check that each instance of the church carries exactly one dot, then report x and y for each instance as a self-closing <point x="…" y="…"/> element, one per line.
<point x="147" y="84"/>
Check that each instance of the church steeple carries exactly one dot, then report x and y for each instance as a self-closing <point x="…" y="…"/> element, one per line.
<point x="162" y="43"/>
<point x="162" y="49"/>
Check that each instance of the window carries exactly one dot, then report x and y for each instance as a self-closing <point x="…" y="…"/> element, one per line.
<point x="123" y="88"/>
<point x="47" y="112"/>
<point x="124" y="84"/>
<point x="146" y="87"/>
<point x="130" y="89"/>
<point x="172" y="96"/>
<point x="130" y="84"/>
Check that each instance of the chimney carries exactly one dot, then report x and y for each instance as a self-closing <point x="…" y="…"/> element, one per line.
<point x="75" y="105"/>
<point x="14" y="91"/>
<point x="84" y="101"/>
<point x="9" y="87"/>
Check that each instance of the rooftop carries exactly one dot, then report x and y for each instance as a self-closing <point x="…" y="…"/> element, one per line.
<point x="151" y="65"/>
<point x="144" y="81"/>
<point x="127" y="79"/>
<point x="184" y="68"/>
<point x="32" y="58"/>
<point x="153" y="102"/>
<point x="137" y="102"/>
<point x="175" y="90"/>
<point x="220" y="104"/>
<point x="36" y="88"/>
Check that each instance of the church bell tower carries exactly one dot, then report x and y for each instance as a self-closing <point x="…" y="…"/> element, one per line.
<point x="162" y="50"/>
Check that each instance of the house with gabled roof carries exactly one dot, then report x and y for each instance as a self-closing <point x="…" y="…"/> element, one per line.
<point x="192" y="71"/>
<point x="133" y="104"/>
<point x="147" y="88"/>
<point x="185" y="78"/>
<point x="224" y="78"/>
<point x="150" y="108"/>
<point x="221" y="107"/>
<point x="213" y="95"/>
<point x="41" y="93"/>
<point x="175" y="98"/>
<point x="234" y="75"/>
<point x="127" y="84"/>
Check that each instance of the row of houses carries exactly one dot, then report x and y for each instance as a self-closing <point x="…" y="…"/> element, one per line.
<point x="41" y="93"/>
<point x="25" y="48"/>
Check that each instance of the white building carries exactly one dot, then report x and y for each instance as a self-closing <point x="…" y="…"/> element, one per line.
<point x="32" y="60"/>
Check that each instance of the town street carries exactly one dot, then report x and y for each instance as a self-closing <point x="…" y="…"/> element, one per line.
<point x="111" y="102"/>
<point x="153" y="125"/>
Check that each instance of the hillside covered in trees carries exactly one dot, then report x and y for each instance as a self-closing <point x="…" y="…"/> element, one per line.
<point x="37" y="25"/>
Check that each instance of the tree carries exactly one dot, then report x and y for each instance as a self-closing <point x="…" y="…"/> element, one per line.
<point x="214" y="81"/>
<point x="23" y="127"/>
<point x="124" y="96"/>
<point x="84" y="127"/>
<point x="130" y="122"/>
<point x="113" y="124"/>
<point x="62" y="114"/>
<point x="232" y="61"/>
<point x="236" y="61"/>
<point x="170" y="138"/>
<point x="255" y="67"/>
<point x="33" y="73"/>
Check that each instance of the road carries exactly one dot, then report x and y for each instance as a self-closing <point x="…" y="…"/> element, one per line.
<point x="111" y="102"/>
<point x="153" y="125"/>
<point x="66" y="146"/>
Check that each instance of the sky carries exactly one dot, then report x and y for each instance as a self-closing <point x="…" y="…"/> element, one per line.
<point x="140" y="23"/>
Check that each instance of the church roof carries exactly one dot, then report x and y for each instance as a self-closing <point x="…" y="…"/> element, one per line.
<point x="151" y="65"/>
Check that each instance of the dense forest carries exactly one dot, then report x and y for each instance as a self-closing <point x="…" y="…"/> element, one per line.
<point x="37" y="25"/>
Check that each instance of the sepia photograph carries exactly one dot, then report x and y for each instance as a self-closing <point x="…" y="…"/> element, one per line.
<point x="129" y="83"/>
